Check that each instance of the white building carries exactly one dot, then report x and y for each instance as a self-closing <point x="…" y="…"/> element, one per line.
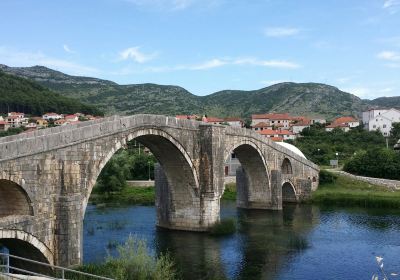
<point x="276" y="120"/>
<point x="380" y="119"/>
<point x="235" y="122"/>
<point x="52" y="116"/>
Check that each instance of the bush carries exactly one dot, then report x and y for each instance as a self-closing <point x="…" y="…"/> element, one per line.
<point x="326" y="177"/>
<point x="134" y="261"/>
<point x="378" y="163"/>
<point x="224" y="227"/>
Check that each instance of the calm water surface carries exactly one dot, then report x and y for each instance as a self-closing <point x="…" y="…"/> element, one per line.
<point x="300" y="242"/>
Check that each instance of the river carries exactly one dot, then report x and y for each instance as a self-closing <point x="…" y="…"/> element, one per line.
<point x="300" y="242"/>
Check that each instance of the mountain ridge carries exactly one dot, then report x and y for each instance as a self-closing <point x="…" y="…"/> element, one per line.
<point x="310" y="99"/>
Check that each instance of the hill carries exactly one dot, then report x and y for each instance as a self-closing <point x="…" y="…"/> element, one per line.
<point x="310" y="99"/>
<point x="23" y="95"/>
<point x="386" y="102"/>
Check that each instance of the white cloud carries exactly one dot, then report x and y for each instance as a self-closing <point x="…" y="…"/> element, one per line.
<point x="67" y="49"/>
<point x="268" y="63"/>
<point x="136" y="55"/>
<point x="28" y="58"/>
<point x="280" y="31"/>
<point x="209" y="64"/>
<point x="389" y="55"/>
<point x="393" y="6"/>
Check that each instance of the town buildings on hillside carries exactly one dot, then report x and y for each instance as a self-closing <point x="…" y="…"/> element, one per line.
<point x="344" y="123"/>
<point x="19" y="120"/>
<point x="380" y="119"/>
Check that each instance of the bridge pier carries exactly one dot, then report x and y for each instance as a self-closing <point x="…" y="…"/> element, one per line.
<point x="199" y="216"/>
<point x="248" y="198"/>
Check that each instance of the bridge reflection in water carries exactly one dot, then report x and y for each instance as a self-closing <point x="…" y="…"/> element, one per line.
<point x="265" y="241"/>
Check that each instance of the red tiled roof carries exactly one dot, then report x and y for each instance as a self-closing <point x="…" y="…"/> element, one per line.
<point x="3" y="122"/>
<point x="344" y="120"/>
<point x="275" y="132"/>
<point x="272" y="116"/>
<point x="213" y="119"/>
<point x="334" y="125"/>
<point x="276" y="139"/>
<point x="233" y="119"/>
<point x="262" y="124"/>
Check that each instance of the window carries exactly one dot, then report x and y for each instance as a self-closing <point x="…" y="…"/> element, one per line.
<point x="374" y="126"/>
<point x="233" y="155"/>
<point x="384" y="126"/>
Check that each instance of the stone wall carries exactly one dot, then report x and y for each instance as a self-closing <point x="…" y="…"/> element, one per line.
<point x="391" y="184"/>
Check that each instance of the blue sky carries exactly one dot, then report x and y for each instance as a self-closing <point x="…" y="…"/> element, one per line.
<point x="210" y="45"/>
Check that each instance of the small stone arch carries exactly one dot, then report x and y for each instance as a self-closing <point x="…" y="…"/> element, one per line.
<point x="286" y="167"/>
<point x="253" y="180"/>
<point x="14" y="200"/>
<point x="23" y="244"/>
<point x="288" y="192"/>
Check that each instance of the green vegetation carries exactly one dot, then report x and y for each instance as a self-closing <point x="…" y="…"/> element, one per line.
<point x="22" y="95"/>
<point x="134" y="261"/>
<point x="296" y="98"/>
<point x="126" y="196"/>
<point x="378" y="163"/>
<point x="321" y="146"/>
<point x="343" y="191"/>
<point x="11" y="131"/>
<point x="126" y="164"/>
<point x="223" y="227"/>
<point x="230" y="192"/>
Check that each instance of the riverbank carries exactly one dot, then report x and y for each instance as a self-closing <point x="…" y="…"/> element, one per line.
<point x="345" y="191"/>
<point x="143" y="195"/>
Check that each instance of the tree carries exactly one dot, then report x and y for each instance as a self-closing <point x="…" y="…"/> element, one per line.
<point x="394" y="133"/>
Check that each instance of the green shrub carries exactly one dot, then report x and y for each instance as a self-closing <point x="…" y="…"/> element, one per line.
<point x="223" y="227"/>
<point x="134" y="261"/>
<point x="326" y="177"/>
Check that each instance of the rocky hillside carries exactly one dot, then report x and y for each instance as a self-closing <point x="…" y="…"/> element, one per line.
<point x="23" y="95"/>
<point x="310" y="99"/>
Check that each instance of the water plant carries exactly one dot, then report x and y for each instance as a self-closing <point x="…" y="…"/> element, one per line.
<point x="223" y="227"/>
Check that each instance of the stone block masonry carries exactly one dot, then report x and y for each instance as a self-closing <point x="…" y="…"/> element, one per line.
<point x="46" y="177"/>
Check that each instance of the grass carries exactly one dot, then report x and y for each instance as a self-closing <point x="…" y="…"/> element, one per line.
<point x="134" y="261"/>
<point x="144" y="196"/>
<point x="223" y="227"/>
<point x="129" y="195"/>
<point x="230" y="192"/>
<point x="348" y="192"/>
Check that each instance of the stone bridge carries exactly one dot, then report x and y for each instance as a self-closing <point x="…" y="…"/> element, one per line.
<point x="47" y="176"/>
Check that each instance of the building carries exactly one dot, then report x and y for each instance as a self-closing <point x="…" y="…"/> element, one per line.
<point x="4" y="126"/>
<point x="261" y="126"/>
<point x="231" y="165"/>
<point x="235" y="122"/>
<point x="380" y="119"/>
<point x="342" y="126"/>
<point x="278" y="135"/>
<point x="52" y="116"/>
<point x="318" y="120"/>
<point x="41" y="123"/>
<point x="60" y="122"/>
<point x="344" y="123"/>
<point x="275" y="120"/>
<point x="213" y="120"/>
<point x="32" y="125"/>
<point x="299" y="126"/>
<point x="71" y="118"/>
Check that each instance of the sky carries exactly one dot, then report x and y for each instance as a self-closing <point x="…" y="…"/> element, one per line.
<point x="210" y="45"/>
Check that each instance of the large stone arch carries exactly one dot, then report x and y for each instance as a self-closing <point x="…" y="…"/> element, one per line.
<point x="289" y="193"/>
<point x="26" y="245"/>
<point x="176" y="163"/>
<point x="14" y="200"/>
<point x="253" y="179"/>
